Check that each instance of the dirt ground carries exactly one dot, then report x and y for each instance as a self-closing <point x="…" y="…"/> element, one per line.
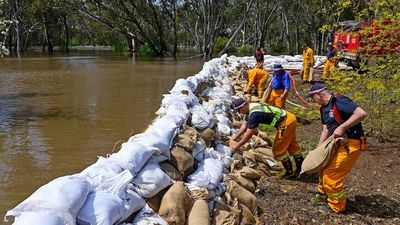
<point x="372" y="189"/>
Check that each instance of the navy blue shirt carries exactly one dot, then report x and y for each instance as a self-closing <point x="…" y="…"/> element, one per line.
<point x="255" y="118"/>
<point x="281" y="81"/>
<point x="345" y="107"/>
<point x="331" y="52"/>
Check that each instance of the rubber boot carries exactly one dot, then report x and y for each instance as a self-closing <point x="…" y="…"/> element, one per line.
<point x="288" y="168"/>
<point x="299" y="161"/>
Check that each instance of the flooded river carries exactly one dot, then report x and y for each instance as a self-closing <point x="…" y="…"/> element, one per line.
<point x="57" y="114"/>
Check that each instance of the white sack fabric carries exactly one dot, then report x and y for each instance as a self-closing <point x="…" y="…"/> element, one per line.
<point x="62" y="197"/>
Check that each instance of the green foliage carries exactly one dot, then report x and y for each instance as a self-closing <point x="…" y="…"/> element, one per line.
<point x="147" y="50"/>
<point x="246" y="50"/>
<point x="220" y="44"/>
<point x="120" y="47"/>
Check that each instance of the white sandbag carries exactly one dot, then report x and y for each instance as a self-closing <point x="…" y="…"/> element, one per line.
<point x="151" y="180"/>
<point x="169" y="98"/>
<point x="100" y="171"/>
<point x="224" y="129"/>
<point x="185" y="90"/>
<point x="208" y="174"/>
<point x="117" y="184"/>
<point x="200" y="118"/>
<point x="101" y="208"/>
<point x="165" y="129"/>
<point x="147" y="216"/>
<point x="224" y="159"/>
<point x="45" y="218"/>
<point x="199" y="148"/>
<point x="134" y="155"/>
<point x="223" y="149"/>
<point x="185" y="82"/>
<point x="132" y="203"/>
<point x="178" y="110"/>
<point x="63" y="197"/>
<point x="222" y="119"/>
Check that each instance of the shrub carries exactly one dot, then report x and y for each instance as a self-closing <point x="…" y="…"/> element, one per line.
<point x="147" y="50"/>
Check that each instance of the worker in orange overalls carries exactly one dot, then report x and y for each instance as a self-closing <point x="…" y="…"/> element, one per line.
<point x="258" y="78"/>
<point x="265" y="117"/>
<point x="308" y="62"/>
<point x="280" y="86"/>
<point x="340" y="117"/>
<point x="330" y="61"/>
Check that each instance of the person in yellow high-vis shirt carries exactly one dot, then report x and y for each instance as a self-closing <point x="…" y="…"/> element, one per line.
<point x="258" y="78"/>
<point x="265" y="117"/>
<point x="308" y="62"/>
<point x="340" y="116"/>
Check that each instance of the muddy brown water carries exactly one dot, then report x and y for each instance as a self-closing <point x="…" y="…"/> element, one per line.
<point x="57" y="114"/>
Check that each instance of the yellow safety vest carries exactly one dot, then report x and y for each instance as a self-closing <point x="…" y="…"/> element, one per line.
<point x="278" y="114"/>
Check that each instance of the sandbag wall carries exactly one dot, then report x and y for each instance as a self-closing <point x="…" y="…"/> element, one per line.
<point x="179" y="171"/>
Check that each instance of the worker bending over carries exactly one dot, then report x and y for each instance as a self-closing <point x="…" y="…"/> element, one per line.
<point x="258" y="78"/>
<point x="266" y="117"/>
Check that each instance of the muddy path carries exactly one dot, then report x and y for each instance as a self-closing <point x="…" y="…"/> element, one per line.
<point x="372" y="189"/>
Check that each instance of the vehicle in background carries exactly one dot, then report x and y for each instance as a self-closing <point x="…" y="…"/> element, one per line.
<point x="356" y="39"/>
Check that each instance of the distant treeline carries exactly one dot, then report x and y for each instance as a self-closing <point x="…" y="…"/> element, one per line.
<point x="158" y="27"/>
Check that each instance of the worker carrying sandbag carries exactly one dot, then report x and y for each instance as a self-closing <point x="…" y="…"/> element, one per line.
<point x="258" y="78"/>
<point x="340" y="117"/>
<point x="266" y="117"/>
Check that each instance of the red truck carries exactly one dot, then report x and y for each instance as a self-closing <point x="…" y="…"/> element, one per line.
<point x="358" y="38"/>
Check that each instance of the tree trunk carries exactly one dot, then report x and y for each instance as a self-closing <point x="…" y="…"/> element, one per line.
<point x="66" y="33"/>
<point x="286" y="33"/>
<point x="47" y="35"/>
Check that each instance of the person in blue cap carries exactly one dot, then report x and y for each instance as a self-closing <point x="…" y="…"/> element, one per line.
<point x="280" y="86"/>
<point x="340" y="116"/>
<point x="266" y="117"/>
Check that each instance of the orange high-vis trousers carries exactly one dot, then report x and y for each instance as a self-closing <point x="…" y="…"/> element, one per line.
<point x="331" y="178"/>
<point x="329" y="64"/>
<point x="285" y="142"/>
<point x="276" y="100"/>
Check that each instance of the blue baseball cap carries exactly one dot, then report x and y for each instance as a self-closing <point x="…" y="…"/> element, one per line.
<point x="277" y="67"/>
<point x="316" y="88"/>
<point x="238" y="103"/>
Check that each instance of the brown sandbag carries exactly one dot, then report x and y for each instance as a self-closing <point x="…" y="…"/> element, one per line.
<point x="243" y="196"/>
<point x="199" y="215"/>
<point x="171" y="170"/>
<point x="247" y="216"/>
<point x="265" y="137"/>
<point x="249" y="159"/>
<point x="250" y="173"/>
<point x="184" y="141"/>
<point x="175" y="204"/>
<point x="265" y="151"/>
<point x="224" y="218"/>
<point x="236" y="124"/>
<point x="320" y="157"/>
<point x="225" y="214"/>
<point x="200" y="193"/>
<point x="190" y="131"/>
<point x="154" y="202"/>
<point x="207" y="135"/>
<point x="248" y="184"/>
<point x="181" y="159"/>
<point x="259" y="142"/>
